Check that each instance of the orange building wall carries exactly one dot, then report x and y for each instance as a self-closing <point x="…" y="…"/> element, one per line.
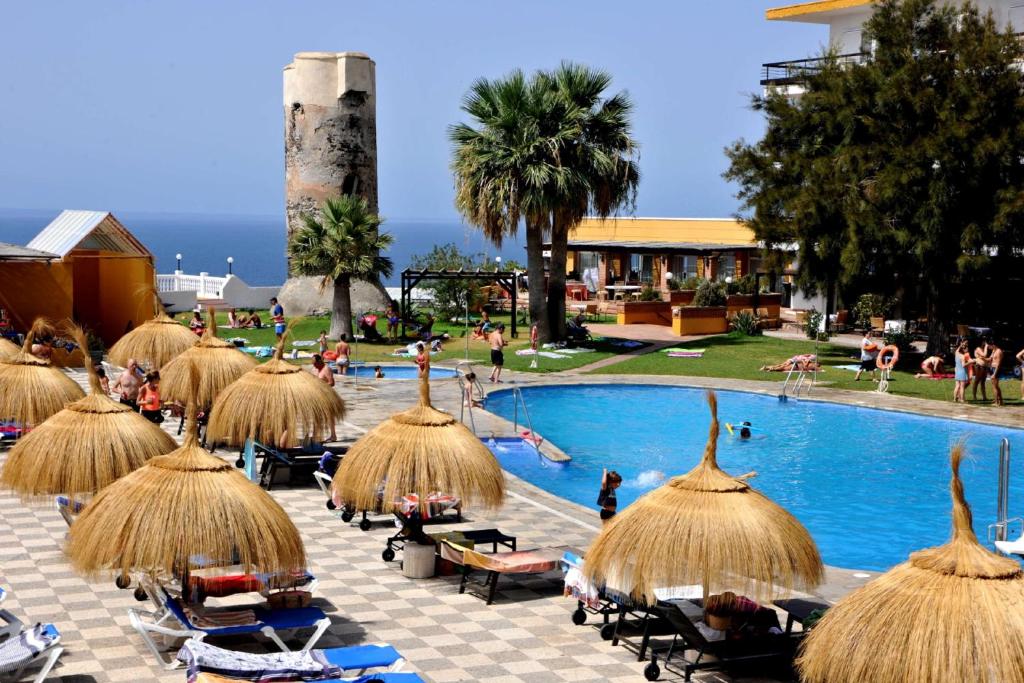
<point x="112" y="290"/>
<point x="32" y="289"/>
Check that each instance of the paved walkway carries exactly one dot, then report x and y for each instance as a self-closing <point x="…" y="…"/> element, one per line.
<point x="526" y="635"/>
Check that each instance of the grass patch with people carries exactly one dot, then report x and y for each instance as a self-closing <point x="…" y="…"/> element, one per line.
<point x="741" y="357"/>
<point x="454" y="349"/>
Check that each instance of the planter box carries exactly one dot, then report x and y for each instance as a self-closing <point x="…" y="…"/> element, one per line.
<point x="646" y="312"/>
<point x="687" y="320"/>
<point x="681" y="297"/>
<point x="739" y="302"/>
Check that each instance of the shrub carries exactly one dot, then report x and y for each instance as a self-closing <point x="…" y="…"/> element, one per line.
<point x="710" y="294"/>
<point x="812" y="328"/>
<point x="871" y="306"/>
<point x="742" y="285"/>
<point x="649" y="293"/>
<point x="900" y="338"/>
<point x="745" y="323"/>
<point x="673" y="285"/>
<point x="693" y="282"/>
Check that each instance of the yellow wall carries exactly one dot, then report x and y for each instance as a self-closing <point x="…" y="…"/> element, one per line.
<point x="32" y="289"/>
<point x="111" y="290"/>
<point x="699" y="230"/>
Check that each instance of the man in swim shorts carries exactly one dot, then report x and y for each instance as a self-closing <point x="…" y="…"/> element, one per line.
<point x="277" y="315"/>
<point x="498" y="345"/>
<point x="995" y="357"/>
<point x="344" y="351"/>
<point x="868" y="354"/>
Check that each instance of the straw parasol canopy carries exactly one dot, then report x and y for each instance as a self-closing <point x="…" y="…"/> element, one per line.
<point x="154" y="342"/>
<point x="704" y="528"/>
<point x="951" y="613"/>
<point x="220" y="363"/>
<point x="32" y="390"/>
<point x="179" y="507"/>
<point x="8" y="349"/>
<point x="421" y="450"/>
<point x="271" y="400"/>
<point x="84" y="447"/>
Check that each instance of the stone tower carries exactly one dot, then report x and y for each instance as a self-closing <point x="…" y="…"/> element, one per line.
<point x="330" y="123"/>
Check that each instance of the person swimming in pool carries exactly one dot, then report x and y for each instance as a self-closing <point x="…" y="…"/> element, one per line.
<point x="745" y="430"/>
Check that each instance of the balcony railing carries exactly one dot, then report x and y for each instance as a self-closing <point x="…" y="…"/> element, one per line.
<point x="796" y="71"/>
<point x="204" y="285"/>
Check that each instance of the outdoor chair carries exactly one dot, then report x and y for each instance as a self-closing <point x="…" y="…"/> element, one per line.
<point x="300" y="459"/>
<point x="716" y="654"/>
<point x="177" y="623"/>
<point x="538" y="561"/>
<point x="28" y="648"/>
<point x="68" y="510"/>
<point x="437" y="503"/>
<point x="203" y="658"/>
<point x="386" y="677"/>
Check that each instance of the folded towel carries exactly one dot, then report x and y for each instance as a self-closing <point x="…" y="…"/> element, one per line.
<point x="526" y="352"/>
<point x="677" y="349"/>
<point x="17" y="650"/>
<point x="221" y="618"/>
<point x="685" y="354"/>
<point x="577" y="350"/>
<point x="304" y="342"/>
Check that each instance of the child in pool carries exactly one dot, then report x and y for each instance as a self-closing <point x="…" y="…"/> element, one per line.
<point x="745" y="430"/>
<point x="378" y="373"/>
<point x="606" y="498"/>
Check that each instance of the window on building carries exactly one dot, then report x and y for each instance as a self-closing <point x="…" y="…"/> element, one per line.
<point x="684" y="266"/>
<point x="726" y="266"/>
<point x="641" y="268"/>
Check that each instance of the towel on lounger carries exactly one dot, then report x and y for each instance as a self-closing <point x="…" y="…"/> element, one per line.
<point x="200" y="657"/>
<point x="19" y="649"/>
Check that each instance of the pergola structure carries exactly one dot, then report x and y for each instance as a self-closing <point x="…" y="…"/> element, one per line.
<point x="506" y="279"/>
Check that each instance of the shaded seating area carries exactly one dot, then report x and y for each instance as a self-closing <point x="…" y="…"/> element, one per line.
<point x="23" y="648"/>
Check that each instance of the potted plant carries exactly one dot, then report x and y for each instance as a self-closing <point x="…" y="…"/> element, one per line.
<point x="650" y="309"/>
<point x="707" y="313"/>
<point x="681" y="292"/>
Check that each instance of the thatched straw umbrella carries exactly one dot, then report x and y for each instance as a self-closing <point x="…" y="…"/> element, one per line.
<point x="704" y="528"/>
<point x="219" y="362"/>
<point x="32" y="390"/>
<point x="950" y="613"/>
<point x="274" y="399"/>
<point x="154" y="342"/>
<point x="8" y="349"/>
<point x="422" y="451"/>
<point x="84" y="447"/>
<point x="180" y="506"/>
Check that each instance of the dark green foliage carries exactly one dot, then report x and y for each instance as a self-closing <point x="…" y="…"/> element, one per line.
<point x="899" y="338"/>
<point x="450" y="296"/>
<point x="710" y="294"/>
<point x="693" y="282"/>
<point x="871" y="306"/>
<point x="903" y="175"/>
<point x="745" y="323"/>
<point x="812" y="328"/>
<point x="649" y="293"/>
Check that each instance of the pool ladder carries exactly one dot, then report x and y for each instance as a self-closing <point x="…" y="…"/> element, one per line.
<point x="1000" y="530"/>
<point x="804" y="380"/>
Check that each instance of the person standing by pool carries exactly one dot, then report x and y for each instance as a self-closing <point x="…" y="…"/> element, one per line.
<point x="149" y="398"/>
<point x="498" y="345"/>
<point x="344" y="351"/>
<point x="606" y="498"/>
<point x="277" y="315"/>
<point x="995" y="359"/>
<point x="322" y="341"/>
<point x="422" y="359"/>
<point x="393" y="319"/>
<point x="868" y="354"/>
<point x="127" y="385"/>
<point x="962" y="359"/>
<point x="326" y="375"/>
<point x="981" y="362"/>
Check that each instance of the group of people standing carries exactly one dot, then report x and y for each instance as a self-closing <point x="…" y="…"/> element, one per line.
<point x="980" y="368"/>
<point x="138" y="390"/>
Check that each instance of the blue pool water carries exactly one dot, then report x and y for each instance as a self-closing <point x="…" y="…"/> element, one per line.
<point x="397" y="371"/>
<point x="870" y="485"/>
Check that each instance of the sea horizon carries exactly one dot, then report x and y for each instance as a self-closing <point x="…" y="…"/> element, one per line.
<point x="256" y="242"/>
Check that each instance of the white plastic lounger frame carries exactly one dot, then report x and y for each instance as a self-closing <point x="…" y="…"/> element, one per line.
<point x="47" y="657"/>
<point x="167" y="624"/>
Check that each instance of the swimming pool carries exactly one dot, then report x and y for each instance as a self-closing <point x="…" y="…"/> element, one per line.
<point x="397" y="371"/>
<point x="870" y="485"/>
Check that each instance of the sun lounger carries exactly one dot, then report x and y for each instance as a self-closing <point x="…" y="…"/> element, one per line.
<point x="177" y="623"/>
<point x="301" y="459"/>
<point x="200" y="657"/>
<point x="537" y="561"/>
<point x="386" y="677"/>
<point x="30" y="647"/>
<point x="715" y="654"/>
<point x="68" y="510"/>
<point x="11" y="624"/>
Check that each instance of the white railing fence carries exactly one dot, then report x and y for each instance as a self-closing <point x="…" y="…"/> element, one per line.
<point x="204" y="285"/>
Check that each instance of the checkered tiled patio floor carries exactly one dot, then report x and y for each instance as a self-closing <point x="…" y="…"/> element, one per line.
<point x="527" y="635"/>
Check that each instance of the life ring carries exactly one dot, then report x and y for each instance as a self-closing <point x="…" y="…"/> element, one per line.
<point x="881" y="363"/>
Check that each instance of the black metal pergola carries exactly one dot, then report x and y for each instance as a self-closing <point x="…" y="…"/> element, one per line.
<point x="506" y="279"/>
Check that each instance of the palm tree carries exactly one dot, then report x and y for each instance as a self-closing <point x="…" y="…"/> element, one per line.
<point x="599" y="158"/>
<point x="549" y="150"/>
<point x="502" y="172"/>
<point x="341" y="245"/>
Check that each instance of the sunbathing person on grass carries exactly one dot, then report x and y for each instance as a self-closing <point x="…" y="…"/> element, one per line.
<point x="805" y="362"/>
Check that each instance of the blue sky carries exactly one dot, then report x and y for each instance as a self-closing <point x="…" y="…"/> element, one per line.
<point x="176" y="106"/>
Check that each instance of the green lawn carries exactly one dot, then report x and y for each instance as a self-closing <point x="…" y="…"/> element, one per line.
<point x="741" y="357"/>
<point x="454" y="350"/>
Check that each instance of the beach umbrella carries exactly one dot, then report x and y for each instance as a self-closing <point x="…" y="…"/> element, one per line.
<point x="182" y="510"/>
<point x="704" y="528"/>
<point x="419" y="451"/>
<point x="271" y="400"/>
<point x="8" y="349"/>
<point x="219" y="363"/>
<point x="154" y="342"/>
<point x="31" y="389"/>
<point x="950" y="613"/>
<point x="82" y="448"/>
